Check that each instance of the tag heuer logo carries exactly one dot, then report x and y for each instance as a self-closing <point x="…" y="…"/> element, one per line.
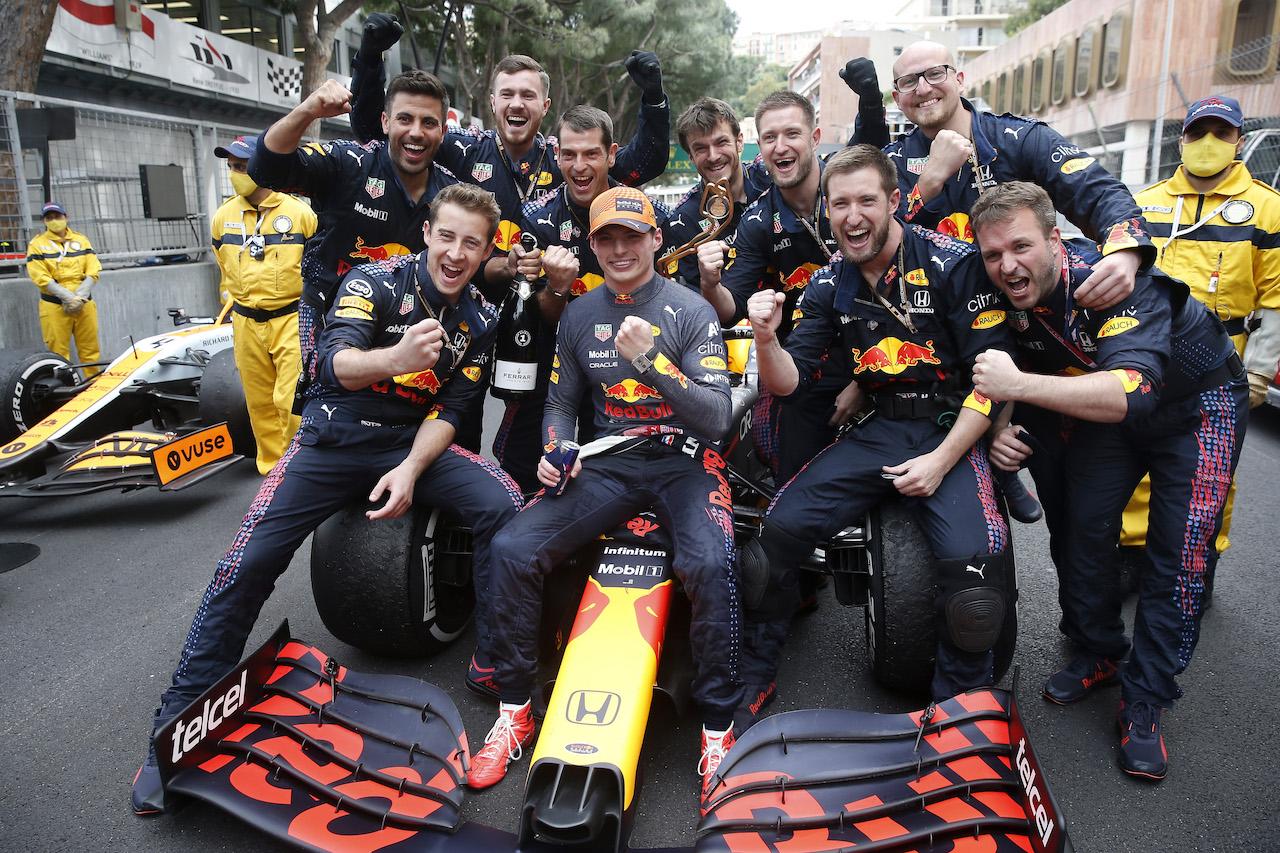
<point x="406" y="304"/>
<point x="604" y="331"/>
<point x="777" y="223"/>
<point x="375" y="187"/>
<point x="482" y="172"/>
<point x="915" y="165"/>
<point x="566" y="230"/>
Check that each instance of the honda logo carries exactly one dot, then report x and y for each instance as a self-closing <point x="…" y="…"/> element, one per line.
<point x="593" y="707"/>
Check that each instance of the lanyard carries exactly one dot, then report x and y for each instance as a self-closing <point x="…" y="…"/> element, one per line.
<point x="1072" y="327"/>
<point x="254" y="241"/>
<point x="444" y="332"/>
<point x="903" y="316"/>
<point x="1175" y="233"/>
<point x="815" y="228"/>
<point x="523" y="191"/>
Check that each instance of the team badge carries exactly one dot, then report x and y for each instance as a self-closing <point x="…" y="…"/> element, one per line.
<point x="604" y="331"/>
<point x="282" y="224"/>
<point x="406" y="304"/>
<point x="482" y="172"/>
<point x="1237" y="212"/>
<point x="375" y="187"/>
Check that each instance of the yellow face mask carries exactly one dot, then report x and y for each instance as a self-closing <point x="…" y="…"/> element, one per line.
<point x="243" y="184"/>
<point x="56" y="226"/>
<point x="1208" y="155"/>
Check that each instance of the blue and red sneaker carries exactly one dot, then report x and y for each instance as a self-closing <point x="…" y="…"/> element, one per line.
<point x="1142" y="751"/>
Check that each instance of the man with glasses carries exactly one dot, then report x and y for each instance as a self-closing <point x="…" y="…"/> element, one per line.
<point x="937" y="161"/>
<point x="258" y="235"/>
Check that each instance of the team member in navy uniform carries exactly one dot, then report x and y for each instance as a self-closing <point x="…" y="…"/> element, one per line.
<point x="935" y="164"/>
<point x="710" y="133"/>
<point x="650" y="353"/>
<point x="404" y="354"/>
<point x="559" y="223"/>
<point x="513" y="160"/>
<point x="911" y="309"/>
<point x="1152" y="384"/>
<point x="371" y="200"/>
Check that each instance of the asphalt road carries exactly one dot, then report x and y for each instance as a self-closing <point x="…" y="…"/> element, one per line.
<point x="90" y="631"/>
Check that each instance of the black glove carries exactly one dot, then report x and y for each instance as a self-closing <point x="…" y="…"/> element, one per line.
<point x="860" y="75"/>
<point x="646" y="71"/>
<point x="381" y="32"/>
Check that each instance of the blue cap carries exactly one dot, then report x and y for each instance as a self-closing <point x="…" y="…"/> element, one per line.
<point x="53" y="207"/>
<point x="1220" y="106"/>
<point x="242" y="147"/>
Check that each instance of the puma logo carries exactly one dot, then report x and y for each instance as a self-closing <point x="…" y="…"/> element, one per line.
<point x="359" y="158"/>
<point x="980" y="571"/>
<point x="679" y="220"/>
<point x="758" y="216"/>
<point x="328" y="410"/>
<point x="674" y="312"/>
<point x="1012" y="132"/>
<point x="547" y="222"/>
<point x="464" y="148"/>
<point x="941" y="262"/>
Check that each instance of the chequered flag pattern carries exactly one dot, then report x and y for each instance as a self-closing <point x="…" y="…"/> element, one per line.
<point x="285" y="82"/>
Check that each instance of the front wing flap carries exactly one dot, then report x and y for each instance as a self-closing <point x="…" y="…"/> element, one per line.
<point x="322" y="757"/>
<point x="839" y="780"/>
<point x="135" y="459"/>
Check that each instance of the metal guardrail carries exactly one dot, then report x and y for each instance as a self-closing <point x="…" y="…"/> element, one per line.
<point x="96" y="177"/>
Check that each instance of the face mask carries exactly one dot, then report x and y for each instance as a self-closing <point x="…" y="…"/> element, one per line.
<point x="1207" y="156"/>
<point x="243" y="184"/>
<point x="56" y="226"/>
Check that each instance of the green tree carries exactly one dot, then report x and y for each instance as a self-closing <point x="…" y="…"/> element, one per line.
<point x="1034" y="11"/>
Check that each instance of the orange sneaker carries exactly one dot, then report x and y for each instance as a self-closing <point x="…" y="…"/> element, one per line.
<point x="505" y="743"/>
<point x="714" y="747"/>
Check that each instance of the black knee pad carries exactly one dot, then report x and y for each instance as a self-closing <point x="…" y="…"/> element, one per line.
<point x="971" y="599"/>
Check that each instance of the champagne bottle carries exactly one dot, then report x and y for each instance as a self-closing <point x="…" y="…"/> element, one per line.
<point x="515" y="354"/>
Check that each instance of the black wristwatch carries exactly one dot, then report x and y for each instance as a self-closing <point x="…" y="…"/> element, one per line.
<point x="641" y="363"/>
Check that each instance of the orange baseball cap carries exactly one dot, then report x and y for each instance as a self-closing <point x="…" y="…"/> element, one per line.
<point x="623" y="206"/>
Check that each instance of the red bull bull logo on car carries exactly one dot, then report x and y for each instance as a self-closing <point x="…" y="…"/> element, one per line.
<point x="893" y="355"/>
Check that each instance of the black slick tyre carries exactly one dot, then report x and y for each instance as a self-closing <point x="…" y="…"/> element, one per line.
<point x="25" y="378"/>
<point x="399" y="587"/>
<point x="222" y="399"/>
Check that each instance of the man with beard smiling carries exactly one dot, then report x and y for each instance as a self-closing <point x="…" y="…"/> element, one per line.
<point x="910" y="309"/>
<point x="513" y="160"/>
<point x="371" y="200"/>
<point x="1152" y="384"/>
<point x="404" y="354"/>
<point x="936" y="163"/>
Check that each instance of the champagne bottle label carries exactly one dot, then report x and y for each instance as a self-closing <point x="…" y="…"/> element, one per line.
<point x="514" y="375"/>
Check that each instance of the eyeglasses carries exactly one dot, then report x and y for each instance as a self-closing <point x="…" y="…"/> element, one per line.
<point x="933" y="76"/>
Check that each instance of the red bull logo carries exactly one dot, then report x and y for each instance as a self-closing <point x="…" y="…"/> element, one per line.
<point x="1132" y="379"/>
<point x="426" y="380"/>
<point x="508" y="235"/>
<point x="588" y="281"/>
<point x="631" y="391"/>
<point x="893" y="355"/>
<point x="799" y="276"/>
<point x="378" y="253"/>
<point x="957" y="225"/>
